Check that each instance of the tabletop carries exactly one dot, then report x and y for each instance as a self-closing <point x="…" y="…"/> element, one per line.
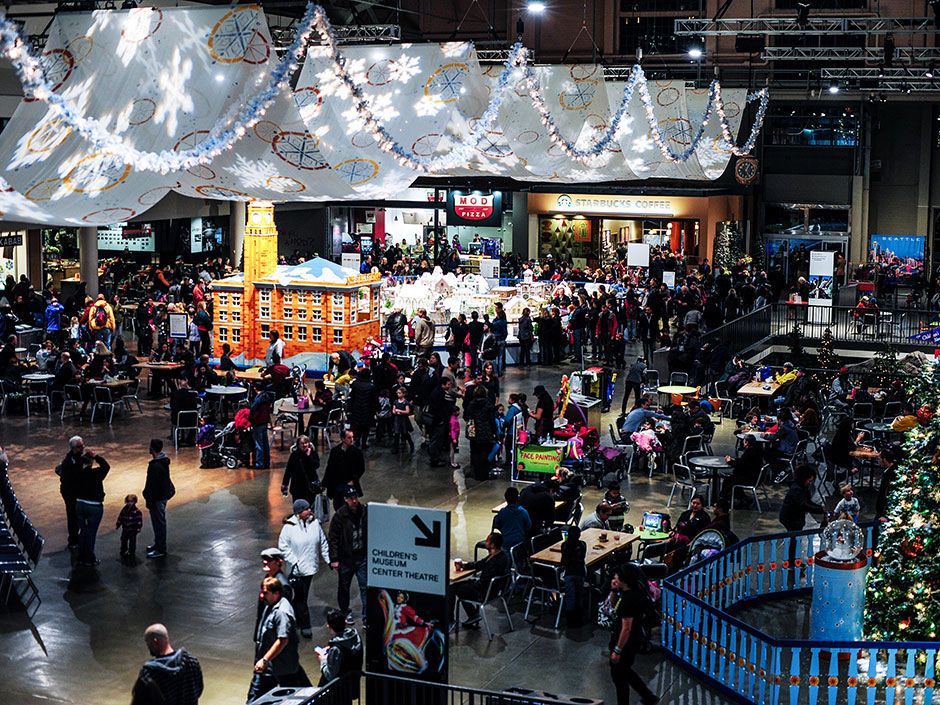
<point x="38" y="377"/>
<point x="223" y="391"/>
<point x="865" y="453"/>
<point x="455" y="577"/>
<point x="756" y="389"/>
<point x="158" y="365"/>
<point x="114" y="383"/>
<point x="250" y="375"/>
<point x="709" y="461"/>
<point x="289" y="407"/>
<point x="676" y="389"/>
<point x="558" y="505"/>
<point x="875" y="426"/>
<point x="597" y="551"/>
<point x="646" y="535"/>
<point x="754" y="435"/>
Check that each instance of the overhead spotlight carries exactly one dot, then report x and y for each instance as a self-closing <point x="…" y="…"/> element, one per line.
<point x="889" y="50"/>
<point x="802" y="13"/>
<point x="535" y="7"/>
<point x="834" y="88"/>
<point x="695" y="52"/>
<point x="929" y="72"/>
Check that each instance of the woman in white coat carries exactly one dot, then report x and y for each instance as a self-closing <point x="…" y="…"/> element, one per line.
<point x="303" y="544"/>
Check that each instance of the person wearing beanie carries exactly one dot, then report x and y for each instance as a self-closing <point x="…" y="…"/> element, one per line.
<point x="303" y="545"/>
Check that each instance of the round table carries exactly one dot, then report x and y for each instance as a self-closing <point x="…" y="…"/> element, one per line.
<point x="670" y="389"/>
<point x="713" y="464"/>
<point x="755" y="436"/>
<point x="646" y="535"/>
<point x="873" y="426"/>
<point x="38" y="377"/>
<point x="224" y="393"/>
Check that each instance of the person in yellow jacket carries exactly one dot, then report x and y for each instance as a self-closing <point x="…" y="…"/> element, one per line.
<point x="905" y="421"/>
<point x="788" y="376"/>
<point x="101" y="321"/>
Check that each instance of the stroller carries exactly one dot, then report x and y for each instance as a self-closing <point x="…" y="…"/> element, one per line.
<point x="220" y="447"/>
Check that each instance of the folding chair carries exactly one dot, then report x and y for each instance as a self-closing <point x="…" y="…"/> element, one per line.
<point x="495" y="591"/>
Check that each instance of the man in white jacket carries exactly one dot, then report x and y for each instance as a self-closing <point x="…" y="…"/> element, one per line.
<point x="303" y="544"/>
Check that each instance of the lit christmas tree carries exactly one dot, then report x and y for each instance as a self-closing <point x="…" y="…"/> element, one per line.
<point x="826" y="358"/>
<point x="727" y="246"/>
<point x="886" y="366"/>
<point x="903" y="592"/>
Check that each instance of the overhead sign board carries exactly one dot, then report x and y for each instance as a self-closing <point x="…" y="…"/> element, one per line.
<point x="407" y="564"/>
<point x="11" y="240"/>
<point x="474" y="208"/>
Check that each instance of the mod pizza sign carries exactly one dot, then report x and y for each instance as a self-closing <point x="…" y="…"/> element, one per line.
<point x="474" y="208"/>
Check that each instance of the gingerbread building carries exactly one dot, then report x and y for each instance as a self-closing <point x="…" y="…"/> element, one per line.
<point x="317" y="306"/>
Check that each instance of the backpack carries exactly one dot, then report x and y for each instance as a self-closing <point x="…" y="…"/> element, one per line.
<point x="101" y="317"/>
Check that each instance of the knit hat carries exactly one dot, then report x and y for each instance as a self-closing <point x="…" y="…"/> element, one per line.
<point x="272" y="553"/>
<point x="301" y="505"/>
<point x="350" y="491"/>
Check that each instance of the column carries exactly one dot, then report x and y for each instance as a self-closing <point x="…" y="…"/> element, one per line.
<point x="236" y="229"/>
<point x="34" y="258"/>
<point x="520" y="225"/>
<point x="88" y="259"/>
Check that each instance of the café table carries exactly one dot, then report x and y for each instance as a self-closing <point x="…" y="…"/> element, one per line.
<point x="289" y="407"/>
<point x="153" y="368"/>
<point x="38" y="377"/>
<point x="867" y="457"/>
<point x="713" y="466"/>
<point x="224" y="394"/>
<point x="670" y="389"/>
<point x="455" y="576"/>
<point x="646" y="536"/>
<point x="877" y="428"/>
<point x="597" y="551"/>
<point x="758" y="391"/>
<point x="253" y="375"/>
<point x="558" y="505"/>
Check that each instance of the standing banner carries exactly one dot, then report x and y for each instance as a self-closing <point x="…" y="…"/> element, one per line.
<point x="821" y="277"/>
<point x="533" y="463"/>
<point x="179" y="325"/>
<point x="351" y="260"/>
<point x="638" y="254"/>
<point x="669" y="279"/>
<point x="406" y="608"/>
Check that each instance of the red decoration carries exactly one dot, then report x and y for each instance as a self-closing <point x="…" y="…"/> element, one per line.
<point x="925" y="414"/>
<point x="912" y="547"/>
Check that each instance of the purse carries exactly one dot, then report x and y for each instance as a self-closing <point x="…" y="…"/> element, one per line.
<point x="471" y="429"/>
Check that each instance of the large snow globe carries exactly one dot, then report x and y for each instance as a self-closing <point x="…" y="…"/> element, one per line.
<point x="842" y="540"/>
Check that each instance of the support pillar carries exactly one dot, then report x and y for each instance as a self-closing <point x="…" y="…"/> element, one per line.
<point x="520" y="225"/>
<point x="88" y="259"/>
<point x="236" y="229"/>
<point x="34" y="258"/>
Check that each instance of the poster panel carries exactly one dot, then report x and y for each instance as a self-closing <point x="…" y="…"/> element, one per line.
<point x="638" y="254"/>
<point x="821" y="286"/>
<point x="179" y="325"/>
<point x="533" y="463"/>
<point x="669" y="279"/>
<point x="897" y="257"/>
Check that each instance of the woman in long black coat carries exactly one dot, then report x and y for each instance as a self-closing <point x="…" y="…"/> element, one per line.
<point x="363" y="405"/>
<point x="483" y="418"/>
<point x="301" y="478"/>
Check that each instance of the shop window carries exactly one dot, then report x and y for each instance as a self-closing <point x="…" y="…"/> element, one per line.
<point x="338" y="336"/>
<point x="288" y="332"/>
<point x="236" y="316"/>
<point x="223" y="335"/>
<point x="223" y="316"/>
<point x="265" y="296"/>
<point x="264" y="312"/>
<point x="338" y="316"/>
<point x="302" y="334"/>
<point x="236" y="335"/>
<point x="301" y="314"/>
<point x="223" y="299"/>
<point x="316" y="314"/>
<point x="316" y="298"/>
<point x="265" y="329"/>
<point x="288" y="314"/>
<point x="236" y="299"/>
<point x="317" y="335"/>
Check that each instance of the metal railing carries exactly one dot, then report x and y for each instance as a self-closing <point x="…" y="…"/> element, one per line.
<point x="699" y="632"/>
<point x="744" y="332"/>
<point x="848" y="324"/>
<point x="394" y="690"/>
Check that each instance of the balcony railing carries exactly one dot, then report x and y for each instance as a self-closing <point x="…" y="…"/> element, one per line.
<point x="848" y="324"/>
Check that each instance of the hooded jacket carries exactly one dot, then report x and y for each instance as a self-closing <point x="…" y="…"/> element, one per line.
<point x="174" y="679"/>
<point x="303" y="543"/>
<point x="344" y="656"/>
<point x="92" y="316"/>
<point x="158" y="487"/>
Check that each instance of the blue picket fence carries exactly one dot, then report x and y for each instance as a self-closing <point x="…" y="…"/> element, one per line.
<point x="700" y="631"/>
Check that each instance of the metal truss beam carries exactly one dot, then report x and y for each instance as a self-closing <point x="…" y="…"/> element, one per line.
<point x="852" y="74"/>
<point x="840" y="54"/>
<point x="789" y="25"/>
<point x="367" y="33"/>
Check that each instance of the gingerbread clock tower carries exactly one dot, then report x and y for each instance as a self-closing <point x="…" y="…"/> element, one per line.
<point x="260" y="262"/>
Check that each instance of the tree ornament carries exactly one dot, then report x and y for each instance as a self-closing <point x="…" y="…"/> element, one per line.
<point x="925" y="415"/>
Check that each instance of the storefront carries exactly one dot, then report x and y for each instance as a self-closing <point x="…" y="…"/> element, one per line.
<point x="793" y="230"/>
<point x="13" y="254"/>
<point x="588" y="229"/>
<point x="483" y="227"/>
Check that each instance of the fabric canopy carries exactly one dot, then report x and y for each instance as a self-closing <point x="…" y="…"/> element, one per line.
<point x="163" y="77"/>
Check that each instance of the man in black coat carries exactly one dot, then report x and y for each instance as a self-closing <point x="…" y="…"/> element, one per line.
<point x="539" y="501"/>
<point x="363" y="405"/>
<point x="440" y="407"/>
<point x="158" y="490"/>
<point x="170" y="676"/>
<point x="68" y="472"/>
<point x="345" y="467"/>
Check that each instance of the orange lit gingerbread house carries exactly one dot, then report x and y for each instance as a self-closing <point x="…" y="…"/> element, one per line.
<point x="317" y="306"/>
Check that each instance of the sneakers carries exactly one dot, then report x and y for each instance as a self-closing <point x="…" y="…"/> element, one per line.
<point x="350" y="620"/>
<point x="306" y="633"/>
<point x="156" y="554"/>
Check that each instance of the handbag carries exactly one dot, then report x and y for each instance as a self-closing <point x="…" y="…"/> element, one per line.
<point x="607" y="611"/>
<point x="471" y="429"/>
<point x="321" y="508"/>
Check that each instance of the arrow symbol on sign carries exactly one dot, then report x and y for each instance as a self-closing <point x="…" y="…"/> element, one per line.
<point x="431" y="538"/>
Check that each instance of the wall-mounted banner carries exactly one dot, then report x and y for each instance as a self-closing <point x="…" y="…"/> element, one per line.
<point x="638" y="254"/>
<point x="899" y="257"/>
<point x="406" y="608"/>
<point x="475" y="208"/>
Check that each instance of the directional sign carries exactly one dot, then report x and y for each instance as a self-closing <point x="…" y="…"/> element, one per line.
<point x="409" y="552"/>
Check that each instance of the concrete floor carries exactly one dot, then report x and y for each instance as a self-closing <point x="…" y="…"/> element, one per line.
<point x="84" y="645"/>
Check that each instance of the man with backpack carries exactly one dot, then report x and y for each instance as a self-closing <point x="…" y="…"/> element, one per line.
<point x="101" y="321"/>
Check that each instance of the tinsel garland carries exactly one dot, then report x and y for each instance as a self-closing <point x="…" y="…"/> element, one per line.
<point x="237" y="122"/>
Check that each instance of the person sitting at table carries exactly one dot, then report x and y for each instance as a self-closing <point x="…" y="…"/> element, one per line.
<point x="598" y="519"/>
<point x="8" y="356"/>
<point x="160" y="354"/>
<point x="861" y="395"/>
<point x="66" y="372"/>
<point x="539" y="501"/>
<point x="809" y="419"/>
<point x="785" y="438"/>
<point x="840" y="386"/>
<point x="494" y="565"/>
<point x="46" y="356"/>
<point x="619" y="506"/>
<point x="702" y="423"/>
<point x="638" y="415"/>
<point x="568" y="492"/>
<point x="906" y="420"/>
<point x="226" y="365"/>
<point x="721" y="521"/>
<point x="101" y="363"/>
<point x="513" y="521"/>
<point x="573" y="555"/>
<point x="322" y="398"/>
<point x="278" y="374"/>
<point x="690" y="524"/>
<point x="787" y="376"/>
<point x="184" y="354"/>
<point x="744" y="469"/>
<point x="839" y="451"/>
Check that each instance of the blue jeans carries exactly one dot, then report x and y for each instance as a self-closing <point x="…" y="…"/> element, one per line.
<point x="574" y="584"/>
<point x="495" y="452"/>
<point x="631" y="329"/>
<point x="89" y="518"/>
<point x="158" y="519"/>
<point x="397" y="346"/>
<point x="104" y="335"/>
<point x="346" y="573"/>
<point x="262" y="451"/>
<point x="500" y="362"/>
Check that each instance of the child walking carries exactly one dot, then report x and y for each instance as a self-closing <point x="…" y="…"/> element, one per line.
<point x="130" y="521"/>
<point x="454" y="437"/>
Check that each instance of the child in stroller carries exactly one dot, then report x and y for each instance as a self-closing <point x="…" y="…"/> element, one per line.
<point x="219" y="447"/>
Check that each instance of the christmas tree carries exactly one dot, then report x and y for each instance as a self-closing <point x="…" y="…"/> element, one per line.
<point x="903" y="592"/>
<point x="886" y="366"/>
<point x="826" y="358"/>
<point x="795" y="343"/>
<point x="727" y="246"/>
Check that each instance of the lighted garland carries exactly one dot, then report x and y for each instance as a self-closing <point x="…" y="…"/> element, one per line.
<point x="17" y="49"/>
